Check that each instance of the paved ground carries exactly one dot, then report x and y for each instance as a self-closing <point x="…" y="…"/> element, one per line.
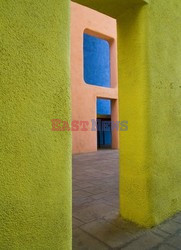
<point x="96" y="223"/>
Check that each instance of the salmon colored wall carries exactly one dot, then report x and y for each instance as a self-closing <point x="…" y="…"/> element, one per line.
<point x="84" y="95"/>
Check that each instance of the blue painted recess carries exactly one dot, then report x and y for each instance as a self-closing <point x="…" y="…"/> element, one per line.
<point x="97" y="72"/>
<point x="97" y="68"/>
<point x="96" y="61"/>
<point x="103" y="107"/>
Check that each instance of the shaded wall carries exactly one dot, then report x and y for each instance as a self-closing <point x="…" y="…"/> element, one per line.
<point x="135" y="169"/>
<point x="165" y="111"/>
<point x="35" y="177"/>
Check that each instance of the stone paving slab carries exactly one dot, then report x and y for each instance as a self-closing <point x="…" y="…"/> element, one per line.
<point x="97" y="224"/>
<point x="145" y="242"/>
<point x="175" y="240"/>
<point x="177" y="218"/>
<point x="108" y="233"/>
<point x="85" y="242"/>
<point x="76" y="223"/>
<point x="164" y="247"/>
<point x="92" y="211"/>
<point x="170" y="226"/>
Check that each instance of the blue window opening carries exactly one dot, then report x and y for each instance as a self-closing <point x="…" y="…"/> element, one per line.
<point x="96" y="61"/>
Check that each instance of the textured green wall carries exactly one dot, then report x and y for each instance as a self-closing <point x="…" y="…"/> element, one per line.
<point x="135" y="176"/>
<point x="164" y="54"/>
<point x="149" y="96"/>
<point x="35" y="177"/>
<point x="35" y="199"/>
<point x="149" y="39"/>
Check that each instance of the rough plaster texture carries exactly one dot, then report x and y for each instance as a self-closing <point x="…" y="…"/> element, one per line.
<point x="35" y="174"/>
<point x="165" y="110"/>
<point x="149" y="93"/>
<point x="150" y="158"/>
<point x="135" y="200"/>
<point x="35" y="177"/>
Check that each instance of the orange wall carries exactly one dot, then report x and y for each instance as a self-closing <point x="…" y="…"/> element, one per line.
<point x="84" y="95"/>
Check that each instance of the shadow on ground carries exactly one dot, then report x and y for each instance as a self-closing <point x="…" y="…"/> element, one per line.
<point x="97" y="224"/>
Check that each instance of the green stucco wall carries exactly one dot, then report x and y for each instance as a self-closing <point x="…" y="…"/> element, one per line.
<point x="35" y="176"/>
<point x="149" y="95"/>
<point x="135" y="176"/>
<point x="164" y="52"/>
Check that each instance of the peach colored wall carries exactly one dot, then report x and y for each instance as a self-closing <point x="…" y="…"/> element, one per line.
<point x="84" y="95"/>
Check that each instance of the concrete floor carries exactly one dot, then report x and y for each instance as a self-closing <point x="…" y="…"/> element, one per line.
<point x="96" y="221"/>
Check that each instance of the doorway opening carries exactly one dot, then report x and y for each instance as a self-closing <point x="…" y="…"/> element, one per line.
<point x="94" y="86"/>
<point x="95" y="182"/>
<point x="104" y="130"/>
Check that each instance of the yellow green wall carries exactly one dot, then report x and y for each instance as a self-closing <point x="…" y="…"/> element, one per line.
<point x="135" y="176"/>
<point x="35" y="199"/>
<point x="164" y="52"/>
<point x="35" y="176"/>
<point x="149" y="95"/>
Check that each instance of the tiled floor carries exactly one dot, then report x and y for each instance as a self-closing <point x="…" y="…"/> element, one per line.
<point x="96" y="221"/>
